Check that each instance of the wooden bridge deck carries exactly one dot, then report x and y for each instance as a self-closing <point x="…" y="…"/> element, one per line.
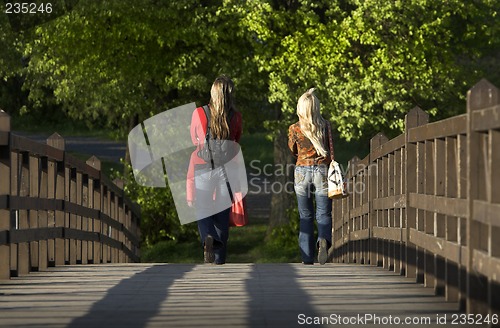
<point x="233" y="295"/>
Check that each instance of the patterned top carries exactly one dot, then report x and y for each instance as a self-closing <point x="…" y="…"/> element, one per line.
<point x="303" y="149"/>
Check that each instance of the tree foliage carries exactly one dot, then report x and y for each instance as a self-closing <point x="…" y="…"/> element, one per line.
<point x="118" y="62"/>
<point x="372" y="61"/>
<point x="111" y="61"/>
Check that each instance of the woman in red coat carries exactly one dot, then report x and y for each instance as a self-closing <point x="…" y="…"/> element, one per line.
<point x="207" y="184"/>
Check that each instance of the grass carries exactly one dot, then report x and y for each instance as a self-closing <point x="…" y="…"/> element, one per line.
<point x="246" y="245"/>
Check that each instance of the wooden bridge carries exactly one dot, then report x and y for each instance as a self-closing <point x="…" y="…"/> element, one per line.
<point x="57" y="210"/>
<point x="414" y="243"/>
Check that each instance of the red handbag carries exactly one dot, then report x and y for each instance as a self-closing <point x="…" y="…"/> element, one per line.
<point x="239" y="215"/>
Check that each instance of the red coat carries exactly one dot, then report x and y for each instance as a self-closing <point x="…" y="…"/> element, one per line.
<point x="198" y="132"/>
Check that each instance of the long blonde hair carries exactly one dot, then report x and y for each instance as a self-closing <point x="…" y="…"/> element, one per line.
<point x="311" y="122"/>
<point x="221" y="102"/>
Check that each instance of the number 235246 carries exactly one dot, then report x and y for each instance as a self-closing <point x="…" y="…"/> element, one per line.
<point x="28" y="8"/>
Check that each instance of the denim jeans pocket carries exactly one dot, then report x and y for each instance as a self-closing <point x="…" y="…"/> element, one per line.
<point x="321" y="181"/>
<point x="299" y="176"/>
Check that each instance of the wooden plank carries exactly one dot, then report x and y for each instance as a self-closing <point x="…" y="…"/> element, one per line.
<point x="23" y="252"/>
<point x="4" y="202"/>
<point x="494" y="165"/>
<point x="256" y="295"/>
<point x="72" y="224"/>
<point x="4" y="240"/>
<point x="60" y="190"/>
<point x="35" y="234"/>
<point x="111" y="242"/>
<point x="411" y="213"/>
<point x="359" y="235"/>
<point x="486" y="265"/>
<point x="79" y="221"/>
<point x="487" y="213"/>
<point x="445" y="128"/>
<point x="449" y="250"/>
<point x="338" y="243"/>
<point x="443" y="205"/>
<point x="14" y="216"/>
<point x="390" y="202"/>
<point x="77" y="234"/>
<point x="388" y="147"/>
<point x="80" y="166"/>
<point x="452" y="272"/>
<point x="111" y="186"/>
<point x="483" y="95"/>
<point x="439" y="265"/>
<point x="394" y="234"/>
<point x="43" y="259"/>
<point x="26" y="145"/>
<point x="4" y="138"/>
<point x="97" y="224"/>
<point x="35" y="203"/>
<point x="56" y="189"/>
<point x="486" y="119"/>
<point x="131" y="255"/>
<point x="360" y="210"/>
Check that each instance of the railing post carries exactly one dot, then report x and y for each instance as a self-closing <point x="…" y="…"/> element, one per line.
<point x="34" y="192"/>
<point x="95" y="202"/>
<point x="56" y="183"/>
<point x="416" y="117"/>
<point x="376" y="246"/>
<point x="5" y="173"/>
<point x="120" y="217"/>
<point x="479" y="295"/>
<point x="354" y="223"/>
<point x="23" y="248"/>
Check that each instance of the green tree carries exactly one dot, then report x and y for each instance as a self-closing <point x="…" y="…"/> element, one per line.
<point x="370" y="60"/>
<point x="115" y="63"/>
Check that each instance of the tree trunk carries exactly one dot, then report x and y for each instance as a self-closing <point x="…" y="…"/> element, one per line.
<point x="283" y="196"/>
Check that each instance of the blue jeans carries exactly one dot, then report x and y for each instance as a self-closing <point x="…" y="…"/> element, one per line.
<point x="309" y="180"/>
<point x="208" y="182"/>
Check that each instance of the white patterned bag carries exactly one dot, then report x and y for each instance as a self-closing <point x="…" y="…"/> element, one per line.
<point x="335" y="181"/>
<point x="336" y="184"/>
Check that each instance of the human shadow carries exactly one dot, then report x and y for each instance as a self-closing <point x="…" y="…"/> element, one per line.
<point x="136" y="299"/>
<point x="276" y="298"/>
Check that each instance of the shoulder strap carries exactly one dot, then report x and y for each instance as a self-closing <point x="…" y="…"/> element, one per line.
<point x="330" y="139"/>
<point x="230" y="117"/>
<point x="207" y="115"/>
<point x="206" y="109"/>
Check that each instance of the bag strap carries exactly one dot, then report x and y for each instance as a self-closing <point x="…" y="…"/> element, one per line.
<point x="224" y="173"/>
<point x="206" y="110"/>
<point x="330" y="139"/>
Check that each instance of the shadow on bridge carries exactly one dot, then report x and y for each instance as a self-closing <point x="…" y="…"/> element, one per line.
<point x="233" y="295"/>
<point x="134" y="301"/>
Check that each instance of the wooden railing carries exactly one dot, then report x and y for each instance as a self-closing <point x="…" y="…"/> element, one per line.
<point x="426" y="204"/>
<point x="56" y="209"/>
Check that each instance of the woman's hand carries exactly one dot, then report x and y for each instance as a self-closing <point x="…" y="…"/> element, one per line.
<point x="190" y="203"/>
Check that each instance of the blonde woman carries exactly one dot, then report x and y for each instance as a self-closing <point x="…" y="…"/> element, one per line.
<point x="206" y="182"/>
<point x="308" y="141"/>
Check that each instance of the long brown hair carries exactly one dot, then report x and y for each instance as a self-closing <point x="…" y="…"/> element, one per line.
<point x="221" y="102"/>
